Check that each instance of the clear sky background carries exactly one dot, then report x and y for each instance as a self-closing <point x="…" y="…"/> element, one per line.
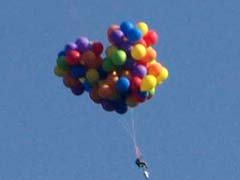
<point x="189" y="131"/>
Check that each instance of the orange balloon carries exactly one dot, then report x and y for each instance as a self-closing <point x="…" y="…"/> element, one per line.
<point x="112" y="78"/>
<point x="155" y="69"/>
<point x="150" y="55"/>
<point x="131" y="101"/>
<point x="69" y="81"/>
<point x="105" y="91"/>
<point x="94" y="95"/>
<point x="110" y="30"/>
<point x="89" y="59"/>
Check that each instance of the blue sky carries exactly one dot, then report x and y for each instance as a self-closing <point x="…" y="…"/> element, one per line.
<point x="190" y="130"/>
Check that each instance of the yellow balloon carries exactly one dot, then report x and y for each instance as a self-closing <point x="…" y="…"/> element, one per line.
<point x="92" y="75"/>
<point x="163" y="76"/>
<point x="111" y="50"/>
<point x="138" y="51"/>
<point x="148" y="83"/>
<point x="159" y="82"/>
<point x="152" y="62"/>
<point x="59" y="72"/>
<point x="143" y="27"/>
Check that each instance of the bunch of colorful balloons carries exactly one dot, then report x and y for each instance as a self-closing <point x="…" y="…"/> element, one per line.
<point x="128" y="74"/>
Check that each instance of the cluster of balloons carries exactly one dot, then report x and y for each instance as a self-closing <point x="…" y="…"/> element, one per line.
<point x="128" y="74"/>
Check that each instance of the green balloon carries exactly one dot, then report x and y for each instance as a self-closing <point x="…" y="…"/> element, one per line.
<point x="62" y="63"/>
<point x="107" y="65"/>
<point x="152" y="91"/>
<point x="119" y="57"/>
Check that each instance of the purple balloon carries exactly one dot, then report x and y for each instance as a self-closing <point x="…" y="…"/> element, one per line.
<point x="70" y="46"/>
<point x="107" y="105"/>
<point x="139" y="70"/>
<point x="129" y="64"/>
<point x="78" y="90"/>
<point x="116" y="36"/>
<point x="126" y="46"/>
<point x="83" y="44"/>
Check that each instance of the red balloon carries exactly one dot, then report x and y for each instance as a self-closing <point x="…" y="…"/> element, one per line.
<point x="98" y="62"/>
<point x="135" y="83"/>
<point x="97" y="48"/>
<point x="143" y="62"/>
<point x="73" y="57"/>
<point x="137" y="97"/>
<point x="143" y="42"/>
<point x="151" y="38"/>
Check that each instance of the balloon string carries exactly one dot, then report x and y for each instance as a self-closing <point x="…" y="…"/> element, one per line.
<point x="136" y="147"/>
<point x="129" y="127"/>
<point x="133" y="129"/>
<point x="126" y="127"/>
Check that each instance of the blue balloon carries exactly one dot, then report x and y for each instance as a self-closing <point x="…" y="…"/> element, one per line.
<point x="121" y="108"/>
<point x="61" y="53"/>
<point x="134" y="35"/>
<point x="144" y="94"/>
<point x="103" y="74"/>
<point x="87" y="86"/>
<point x="123" y="85"/>
<point x="126" y="26"/>
<point x="78" y="71"/>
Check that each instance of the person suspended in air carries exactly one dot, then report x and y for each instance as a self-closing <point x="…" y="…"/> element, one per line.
<point x="141" y="163"/>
